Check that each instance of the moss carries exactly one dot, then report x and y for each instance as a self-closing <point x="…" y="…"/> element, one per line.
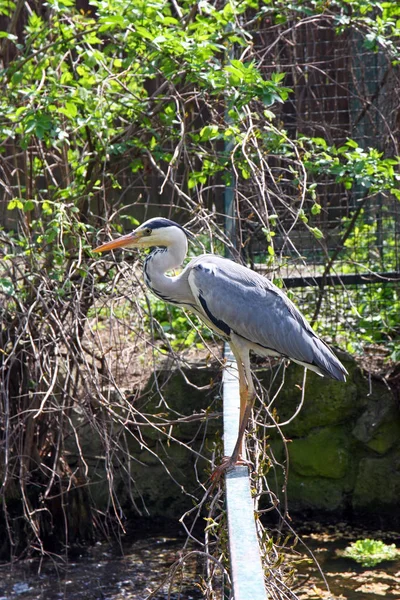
<point x="323" y="453"/>
<point x="385" y="437"/>
<point x="315" y="493"/>
<point x="327" y="402"/>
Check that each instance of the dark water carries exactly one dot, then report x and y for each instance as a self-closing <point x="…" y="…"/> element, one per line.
<point x="104" y="574"/>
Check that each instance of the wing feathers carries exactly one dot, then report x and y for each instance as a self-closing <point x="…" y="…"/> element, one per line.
<point x="234" y="298"/>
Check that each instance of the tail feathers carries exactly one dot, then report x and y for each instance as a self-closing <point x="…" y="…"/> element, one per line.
<point x="326" y="363"/>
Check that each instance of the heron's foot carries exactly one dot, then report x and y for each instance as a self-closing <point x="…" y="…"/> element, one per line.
<point x="227" y="464"/>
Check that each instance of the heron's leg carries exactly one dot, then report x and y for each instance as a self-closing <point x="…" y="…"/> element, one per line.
<point x="247" y="396"/>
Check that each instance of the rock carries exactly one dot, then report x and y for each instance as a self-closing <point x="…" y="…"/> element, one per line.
<point x="315" y="493"/>
<point x="379" y="425"/>
<point x="165" y="488"/>
<point x="333" y="445"/>
<point x="151" y="472"/>
<point x="186" y="392"/>
<point x="377" y="487"/>
<point x="167" y="463"/>
<point x="386" y="436"/>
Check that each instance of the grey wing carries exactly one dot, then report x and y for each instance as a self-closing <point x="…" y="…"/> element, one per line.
<point x="236" y="299"/>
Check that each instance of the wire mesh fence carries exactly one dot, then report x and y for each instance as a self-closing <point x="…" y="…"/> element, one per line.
<point x="343" y="256"/>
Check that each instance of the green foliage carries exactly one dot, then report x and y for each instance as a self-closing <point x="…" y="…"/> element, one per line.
<point x="370" y="245"/>
<point x="363" y="314"/>
<point x="370" y="249"/>
<point x="351" y="165"/>
<point x="369" y="552"/>
<point x="89" y="90"/>
<point x="88" y="95"/>
<point x="77" y="92"/>
<point x="174" y="325"/>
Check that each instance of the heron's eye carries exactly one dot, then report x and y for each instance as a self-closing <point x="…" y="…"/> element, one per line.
<point x="147" y="231"/>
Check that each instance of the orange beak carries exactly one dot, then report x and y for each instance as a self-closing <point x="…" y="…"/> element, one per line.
<point x="131" y="239"/>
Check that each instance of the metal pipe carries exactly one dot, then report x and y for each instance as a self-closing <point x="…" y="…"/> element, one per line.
<point x="244" y="551"/>
<point x="332" y="280"/>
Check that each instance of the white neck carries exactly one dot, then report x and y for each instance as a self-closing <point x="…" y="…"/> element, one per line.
<point x="171" y="289"/>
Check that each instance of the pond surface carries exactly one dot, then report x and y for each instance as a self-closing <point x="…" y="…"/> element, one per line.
<point x="346" y="578"/>
<point x="103" y="574"/>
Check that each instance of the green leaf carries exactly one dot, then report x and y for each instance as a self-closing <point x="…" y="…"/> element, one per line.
<point x="209" y="132"/>
<point x="277" y="77"/>
<point x="136" y="164"/>
<point x="9" y="36"/>
<point x="47" y="208"/>
<point x="351" y="144"/>
<point x="6" y="7"/>
<point x="15" y="203"/>
<point x="144" y="32"/>
<point x="29" y="205"/>
<point x="70" y="110"/>
<point x="395" y="192"/>
<point x="316" y="209"/>
<point x="6" y="286"/>
<point x="317" y="233"/>
<point x="268" y="114"/>
<point x="111" y="22"/>
<point x="318" y="141"/>
<point x="302" y="216"/>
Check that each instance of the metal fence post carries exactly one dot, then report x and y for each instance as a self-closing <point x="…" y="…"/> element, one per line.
<point x="246" y="566"/>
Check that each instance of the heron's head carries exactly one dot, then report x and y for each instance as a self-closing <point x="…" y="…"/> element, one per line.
<point x="154" y="232"/>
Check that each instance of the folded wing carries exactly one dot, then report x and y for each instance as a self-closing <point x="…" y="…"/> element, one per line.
<point x="236" y="299"/>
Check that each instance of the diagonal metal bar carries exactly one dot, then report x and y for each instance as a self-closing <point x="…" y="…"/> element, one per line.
<point x="246" y="566"/>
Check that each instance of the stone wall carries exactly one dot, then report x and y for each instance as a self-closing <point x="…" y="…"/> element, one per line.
<point x="344" y="446"/>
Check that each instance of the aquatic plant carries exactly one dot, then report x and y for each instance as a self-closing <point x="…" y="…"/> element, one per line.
<point x="369" y="552"/>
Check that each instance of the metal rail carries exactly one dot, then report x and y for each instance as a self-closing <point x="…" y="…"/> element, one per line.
<point x="332" y="280"/>
<point x="246" y="566"/>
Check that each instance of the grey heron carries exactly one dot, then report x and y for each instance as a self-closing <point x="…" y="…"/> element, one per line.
<point x="241" y="306"/>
